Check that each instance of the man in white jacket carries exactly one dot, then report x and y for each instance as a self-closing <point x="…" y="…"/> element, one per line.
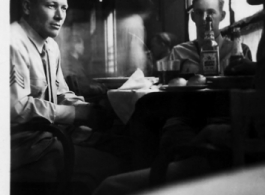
<point x="39" y="93"/>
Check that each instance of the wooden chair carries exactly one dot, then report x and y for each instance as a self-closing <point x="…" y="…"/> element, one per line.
<point x="248" y="125"/>
<point x="62" y="185"/>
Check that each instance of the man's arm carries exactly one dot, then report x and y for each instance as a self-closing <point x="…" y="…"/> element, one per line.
<point x="247" y="52"/>
<point x="24" y="106"/>
<point x="243" y="66"/>
<point x="92" y="115"/>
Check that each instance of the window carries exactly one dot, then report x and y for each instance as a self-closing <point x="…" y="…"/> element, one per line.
<point x="241" y="10"/>
<point x="110" y="37"/>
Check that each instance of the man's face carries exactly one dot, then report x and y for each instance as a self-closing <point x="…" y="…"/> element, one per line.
<point x="201" y="9"/>
<point x="47" y="16"/>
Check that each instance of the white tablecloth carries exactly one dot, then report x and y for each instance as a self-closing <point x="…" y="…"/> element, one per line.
<point x="123" y="101"/>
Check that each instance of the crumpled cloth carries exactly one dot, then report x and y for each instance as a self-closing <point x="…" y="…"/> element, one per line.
<point x="123" y="99"/>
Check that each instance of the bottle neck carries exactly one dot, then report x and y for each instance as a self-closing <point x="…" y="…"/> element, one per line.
<point x="237" y="47"/>
<point x="209" y="35"/>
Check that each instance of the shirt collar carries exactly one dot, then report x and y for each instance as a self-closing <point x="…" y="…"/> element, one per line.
<point x="220" y="40"/>
<point x="36" y="39"/>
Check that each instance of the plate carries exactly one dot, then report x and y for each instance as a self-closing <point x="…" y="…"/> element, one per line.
<point x="183" y="88"/>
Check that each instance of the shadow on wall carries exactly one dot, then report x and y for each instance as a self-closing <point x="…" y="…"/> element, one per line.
<point x="78" y="54"/>
<point x="80" y="46"/>
<point x="131" y="36"/>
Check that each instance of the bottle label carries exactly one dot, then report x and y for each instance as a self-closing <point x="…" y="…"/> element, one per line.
<point x="209" y="35"/>
<point x="210" y="62"/>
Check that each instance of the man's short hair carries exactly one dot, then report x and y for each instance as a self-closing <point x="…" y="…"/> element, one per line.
<point x="221" y="3"/>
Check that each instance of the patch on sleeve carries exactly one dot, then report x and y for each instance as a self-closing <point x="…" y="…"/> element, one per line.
<point x="57" y="83"/>
<point x="16" y="77"/>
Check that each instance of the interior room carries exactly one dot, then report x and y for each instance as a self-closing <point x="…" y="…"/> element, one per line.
<point x="146" y="97"/>
<point x="103" y="28"/>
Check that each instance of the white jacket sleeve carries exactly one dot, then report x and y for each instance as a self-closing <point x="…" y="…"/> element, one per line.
<point x="27" y="94"/>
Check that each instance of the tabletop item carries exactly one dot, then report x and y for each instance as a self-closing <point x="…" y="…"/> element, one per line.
<point x="183" y="88"/>
<point x="138" y="81"/>
<point x="179" y="81"/>
<point x="167" y="69"/>
<point x="123" y="101"/>
<point x="168" y="65"/>
<point x="112" y="82"/>
<point x="237" y="52"/>
<point x="210" y="50"/>
<point x="124" y="98"/>
<point x="196" y="80"/>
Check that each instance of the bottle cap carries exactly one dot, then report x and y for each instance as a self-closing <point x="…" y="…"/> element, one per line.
<point x="236" y="33"/>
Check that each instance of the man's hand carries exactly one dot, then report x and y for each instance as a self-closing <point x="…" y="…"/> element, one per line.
<point x="241" y="67"/>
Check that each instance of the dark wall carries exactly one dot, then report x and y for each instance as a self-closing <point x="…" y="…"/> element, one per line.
<point x="168" y="16"/>
<point x="15" y="12"/>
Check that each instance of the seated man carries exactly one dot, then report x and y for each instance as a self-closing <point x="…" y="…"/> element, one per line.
<point x="75" y="71"/>
<point x="189" y="52"/>
<point x="190" y="167"/>
<point x="40" y="93"/>
<point x="161" y="46"/>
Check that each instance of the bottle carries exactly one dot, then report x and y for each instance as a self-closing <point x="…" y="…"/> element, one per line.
<point x="210" y="51"/>
<point x="237" y="52"/>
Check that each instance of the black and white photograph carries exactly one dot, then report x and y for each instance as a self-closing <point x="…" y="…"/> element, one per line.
<point x="132" y="97"/>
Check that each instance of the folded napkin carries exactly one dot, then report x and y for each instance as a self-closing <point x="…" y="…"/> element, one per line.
<point x="123" y="100"/>
<point x="137" y="81"/>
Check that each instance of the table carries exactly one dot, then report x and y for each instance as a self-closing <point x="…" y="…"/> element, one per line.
<point x="123" y="101"/>
<point x="153" y="109"/>
<point x="149" y="110"/>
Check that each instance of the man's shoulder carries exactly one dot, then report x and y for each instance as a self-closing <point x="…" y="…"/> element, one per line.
<point x="18" y="37"/>
<point x="189" y="45"/>
<point x="186" y="50"/>
<point x="227" y="41"/>
<point x="17" y="32"/>
<point x="15" y="26"/>
<point x="185" y="46"/>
